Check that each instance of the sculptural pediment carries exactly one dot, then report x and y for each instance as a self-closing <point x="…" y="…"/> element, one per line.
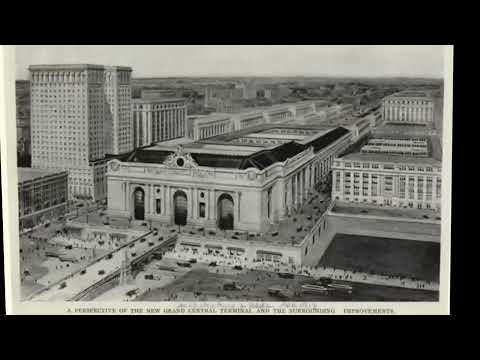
<point x="180" y="160"/>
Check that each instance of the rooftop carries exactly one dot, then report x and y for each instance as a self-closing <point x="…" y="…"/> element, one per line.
<point x="220" y="152"/>
<point x="412" y="94"/>
<point x="172" y="143"/>
<point x="56" y="67"/>
<point x="157" y="101"/>
<point x="389" y="158"/>
<point x="210" y="118"/>
<point x="28" y="174"/>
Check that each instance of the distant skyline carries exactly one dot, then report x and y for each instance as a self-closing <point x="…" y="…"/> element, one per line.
<point x="424" y="61"/>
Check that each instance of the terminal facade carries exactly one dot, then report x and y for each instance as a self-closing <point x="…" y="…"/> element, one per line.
<point x="245" y="180"/>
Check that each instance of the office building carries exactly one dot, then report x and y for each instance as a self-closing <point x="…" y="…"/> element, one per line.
<point x="158" y="120"/>
<point x="409" y="107"/>
<point x="391" y="172"/>
<point x="79" y="113"/>
<point x="118" y="96"/>
<point x="22" y="92"/>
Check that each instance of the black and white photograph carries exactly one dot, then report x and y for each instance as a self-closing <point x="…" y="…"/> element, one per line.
<point x="227" y="179"/>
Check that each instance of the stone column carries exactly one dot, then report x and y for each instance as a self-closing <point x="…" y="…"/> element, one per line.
<point x="164" y="200"/>
<point x="308" y="178"/>
<point x="298" y="189"/>
<point x="195" y="203"/>
<point x="167" y="201"/>
<point x="236" y="208"/>
<point x="288" y="204"/>
<point x="146" y="200"/>
<point x="153" y="207"/>
<point x="302" y="186"/>
<point x="208" y="204"/>
<point x="190" y="195"/>
<point x="239" y="199"/>
<point x="149" y="127"/>
<point x="213" y="205"/>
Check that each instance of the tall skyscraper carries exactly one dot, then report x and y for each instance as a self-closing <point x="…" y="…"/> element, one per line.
<point x="119" y="123"/>
<point x="80" y="113"/>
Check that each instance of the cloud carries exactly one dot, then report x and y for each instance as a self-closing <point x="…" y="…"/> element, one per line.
<point x="244" y="60"/>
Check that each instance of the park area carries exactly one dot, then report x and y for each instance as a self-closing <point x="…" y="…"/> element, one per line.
<point x="384" y="256"/>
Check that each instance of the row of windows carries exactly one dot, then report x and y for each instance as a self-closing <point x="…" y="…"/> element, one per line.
<point x="386" y="166"/>
<point x="421" y="187"/>
<point x="388" y="202"/>
<point x="179" y="106"/>
<point x="408" y="102"/>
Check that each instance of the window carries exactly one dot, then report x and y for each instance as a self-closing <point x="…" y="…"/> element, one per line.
<point x="159" y="205"/>
<point x="201" y="210"/>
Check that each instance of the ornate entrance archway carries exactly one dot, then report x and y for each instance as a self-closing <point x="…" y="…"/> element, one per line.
<point x="139" y="204"/>
<point x="225" y="211"/>
<point x="180" y="208"/>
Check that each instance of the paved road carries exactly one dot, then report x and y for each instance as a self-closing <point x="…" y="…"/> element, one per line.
<point x="79" y="282"/>
<point x="203" y="284"/>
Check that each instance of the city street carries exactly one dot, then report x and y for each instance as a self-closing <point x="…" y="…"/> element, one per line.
<point x="98" y="270"/>
<point x="206" y="284"/>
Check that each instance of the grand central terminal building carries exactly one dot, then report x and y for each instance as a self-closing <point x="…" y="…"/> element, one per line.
<point x="244" y="180"/>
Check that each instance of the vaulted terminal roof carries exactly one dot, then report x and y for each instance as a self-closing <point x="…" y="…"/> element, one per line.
<point x="222" y="152"/>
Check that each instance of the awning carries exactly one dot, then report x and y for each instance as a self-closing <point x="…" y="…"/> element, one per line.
<point x="264" y="252"/>
<point x="235" y="249"/>
<point x="217" y="247"/>
<point x="190" y="244"/>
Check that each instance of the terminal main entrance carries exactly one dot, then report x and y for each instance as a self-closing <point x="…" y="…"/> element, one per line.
<point x="139" y="204"/>
<point x="181" y="210"/>
<point x="225" y="212"/>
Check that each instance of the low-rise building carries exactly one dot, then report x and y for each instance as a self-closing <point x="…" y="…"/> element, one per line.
<point x="392" y="172"/>
<point x="41" y="195"/>
<point x="202" y="127"/>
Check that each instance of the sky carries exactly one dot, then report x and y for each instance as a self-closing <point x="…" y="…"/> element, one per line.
<point x="245" y="60"/>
